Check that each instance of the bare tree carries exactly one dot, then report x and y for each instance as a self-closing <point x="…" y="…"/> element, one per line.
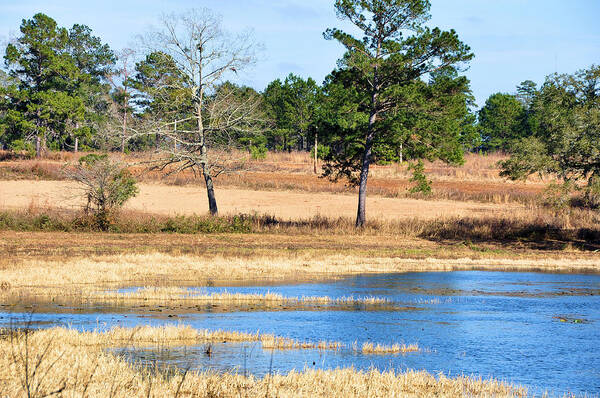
<point x="213" y="113"/>
<point x="120" y="81"/>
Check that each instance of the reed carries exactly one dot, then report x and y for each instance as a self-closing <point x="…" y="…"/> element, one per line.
<point x="49" y="280"/>
<point x="50" y="362"/>
<point x="182" y="300"/>
<point x="381" y="349"/>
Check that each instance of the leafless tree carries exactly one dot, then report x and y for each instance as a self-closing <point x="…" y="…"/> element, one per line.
<point x="119" y="80"/>
<point x="201" y="133"/>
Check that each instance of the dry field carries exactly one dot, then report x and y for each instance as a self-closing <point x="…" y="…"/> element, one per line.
<point x="188" y="200"/>
<point x="478" y="180"/>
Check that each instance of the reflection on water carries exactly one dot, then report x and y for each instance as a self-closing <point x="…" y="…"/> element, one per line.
<point x="539" y="330"/>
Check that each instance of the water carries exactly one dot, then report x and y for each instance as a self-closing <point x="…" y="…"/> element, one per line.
<point x="534" y="329"/>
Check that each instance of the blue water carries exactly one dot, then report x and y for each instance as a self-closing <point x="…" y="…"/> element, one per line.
<point x="533" y="329"/>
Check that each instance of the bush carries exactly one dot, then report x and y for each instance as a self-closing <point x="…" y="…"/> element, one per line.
<point x="422" y="184"/>
<point x="258" y="152"/>
<point x="591" y="194"/>
<point x="558" y="197"/>
<point x="107" y="186"/>
<point x="322" y="152"/>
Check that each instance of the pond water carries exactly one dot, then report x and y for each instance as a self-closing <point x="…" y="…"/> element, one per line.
<point x="533" y="329"/>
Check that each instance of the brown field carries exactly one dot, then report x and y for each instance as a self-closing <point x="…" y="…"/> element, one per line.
<point x="478" y="180"/>
<point x="187" y="200"/>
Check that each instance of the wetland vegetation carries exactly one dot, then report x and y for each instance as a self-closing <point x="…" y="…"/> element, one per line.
<point x="476" y="272"/>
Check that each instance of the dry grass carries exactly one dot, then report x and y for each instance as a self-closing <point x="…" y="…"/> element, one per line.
<point x="172" y="335"/>
<point x="154" y="295"/>
<point x="178" y="300"/>
<point x="537" y="229"/>
<point x="39" y="284"/>
<point x="370" y="348"/>
<point x="169" y="270"/>
<point x="60" y="362"/>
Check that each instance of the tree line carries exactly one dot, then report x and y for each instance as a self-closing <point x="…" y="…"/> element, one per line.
<point x="397" y="94"/>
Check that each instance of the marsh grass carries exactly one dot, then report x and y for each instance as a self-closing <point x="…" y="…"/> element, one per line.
<point x="34" y="276"/>
<point x="180" y="300"/>
<point x="382" y="349"/>
<point x="152" y="295"/>
<point x="78" y="364"/>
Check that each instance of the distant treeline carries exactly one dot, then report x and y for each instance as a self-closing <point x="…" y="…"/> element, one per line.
<point x="64" y="89"/>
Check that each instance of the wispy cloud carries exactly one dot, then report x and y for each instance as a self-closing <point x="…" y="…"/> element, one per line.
<point x="295" y="11"/>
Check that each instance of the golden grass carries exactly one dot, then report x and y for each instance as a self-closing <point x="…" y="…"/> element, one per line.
<point x="154" y="295"/>
<point x="180" y="335"/>
<point x="60" y="362"/>
<point x="381" y="349"/>
<point x="178" y="300"/>
<point x="171" y="270"/>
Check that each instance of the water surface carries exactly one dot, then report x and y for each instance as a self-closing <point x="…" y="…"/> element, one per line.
<point x="535" y="329"/>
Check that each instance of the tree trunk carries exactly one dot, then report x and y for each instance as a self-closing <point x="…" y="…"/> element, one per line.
<point x="210" y="191"/>
<point x="76" y="144"/>
<point x="364" y="175"/>
<point x="124" y="131"/>
<point x="316" y="150"/>
<point x="38" y="147"/>
<point x="401" y="153"/>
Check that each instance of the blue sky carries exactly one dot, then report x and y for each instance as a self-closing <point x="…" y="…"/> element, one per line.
<point x="513" y="40"/>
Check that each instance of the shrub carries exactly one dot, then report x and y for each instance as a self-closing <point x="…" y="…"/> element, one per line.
<point x="258" y="152"/>
<point x="591" y="194"/>
<point x="107" y="186"/>
<point x="557" y="197"/>
<point x="422" y="184"/>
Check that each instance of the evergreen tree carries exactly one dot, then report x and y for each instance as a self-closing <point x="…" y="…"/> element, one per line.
<point x="501" y="121"/>
<point x="292" y="105"/>
<point x="380" y="100"/>
<point x="59" y="81"/>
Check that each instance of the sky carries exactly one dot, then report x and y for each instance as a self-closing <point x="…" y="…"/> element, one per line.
<point x="513" y="40"/>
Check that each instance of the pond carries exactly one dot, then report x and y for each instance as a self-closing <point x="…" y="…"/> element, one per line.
<point x="533" y="329"/>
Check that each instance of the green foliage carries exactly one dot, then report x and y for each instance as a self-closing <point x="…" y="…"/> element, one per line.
<point x="529" y="156"/>
<point x="322" y="152"/>
<point x="558" y="197"/>
<point x="376" y="102"/>
<point x="591" y="193"/>
<point x="567" y="117"/>
<point x="258" y="152"/>
<point x="421" y="184"/>
<point x="56" y="82"/>
<point x="501" y="122"/>
<point x="292" y="105"/>
<point x="21" y="145"/>
<point x="91" y="158"/>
